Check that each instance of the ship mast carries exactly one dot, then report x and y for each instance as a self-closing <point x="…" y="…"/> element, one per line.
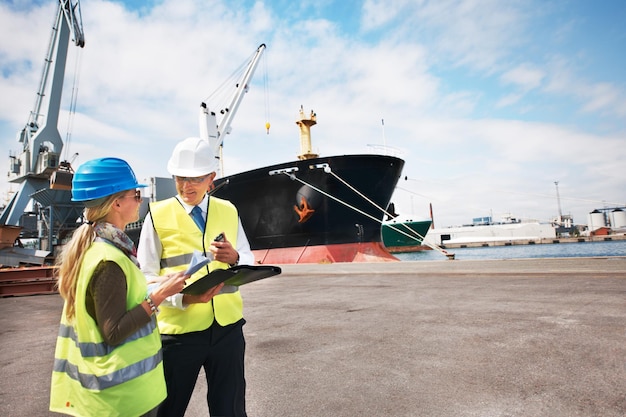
<point x="305" y="124"/>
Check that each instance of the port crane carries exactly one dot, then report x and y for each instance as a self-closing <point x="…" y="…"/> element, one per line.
<point x="37" y="168"/>
<point x="213" y="132"/>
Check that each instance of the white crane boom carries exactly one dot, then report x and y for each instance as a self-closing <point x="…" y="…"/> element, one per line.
<point x="209" y="129"/>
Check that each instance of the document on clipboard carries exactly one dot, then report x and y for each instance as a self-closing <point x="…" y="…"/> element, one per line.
<point x="198" y="260"/>
<point x="236" y="276"/>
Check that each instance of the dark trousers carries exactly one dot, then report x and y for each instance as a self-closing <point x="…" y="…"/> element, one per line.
<point x="220" y="351"/>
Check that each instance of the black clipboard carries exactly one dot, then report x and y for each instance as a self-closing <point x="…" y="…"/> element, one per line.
<point x="236" y="276"/>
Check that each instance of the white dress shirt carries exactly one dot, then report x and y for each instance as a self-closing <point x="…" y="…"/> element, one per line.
<point x="149" y="251"/>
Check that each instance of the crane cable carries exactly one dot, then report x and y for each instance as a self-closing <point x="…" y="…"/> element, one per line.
<point x="73" y="100"/>
<point x="266" y="86"/>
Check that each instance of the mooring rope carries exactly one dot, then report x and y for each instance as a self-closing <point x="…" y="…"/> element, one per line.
<point x="385" y="212"/>
<point x="328" y="170"/>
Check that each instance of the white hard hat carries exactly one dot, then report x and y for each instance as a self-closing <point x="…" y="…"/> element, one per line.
<point x="192" y="158"/>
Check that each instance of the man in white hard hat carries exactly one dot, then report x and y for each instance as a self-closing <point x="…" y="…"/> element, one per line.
<point x="197" y="331"/>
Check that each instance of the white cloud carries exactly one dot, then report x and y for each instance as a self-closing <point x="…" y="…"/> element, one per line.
<point x="426" y="68"/>
<point x="525" y="76"/>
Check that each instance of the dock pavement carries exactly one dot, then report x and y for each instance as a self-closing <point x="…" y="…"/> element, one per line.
<point x="519" y="337"/>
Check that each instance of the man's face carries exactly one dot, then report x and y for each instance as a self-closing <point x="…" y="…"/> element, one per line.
<point x="193" y="189"/>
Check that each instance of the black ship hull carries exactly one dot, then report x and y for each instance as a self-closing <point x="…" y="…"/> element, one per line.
<point x="325" y="209"/>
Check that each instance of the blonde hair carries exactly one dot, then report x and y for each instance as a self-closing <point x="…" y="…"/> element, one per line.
<point x="70" y="258"/>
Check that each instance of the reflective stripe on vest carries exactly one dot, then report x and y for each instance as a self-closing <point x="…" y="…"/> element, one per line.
<point x="176" y="261"/>
<point x="179" y="237"/>
<point x="90" y="349"/>
<point x="112" y="379"/>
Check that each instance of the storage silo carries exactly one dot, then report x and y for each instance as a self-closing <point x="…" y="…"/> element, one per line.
<point x="618" y="218"/>
<point x="596" y="220"/>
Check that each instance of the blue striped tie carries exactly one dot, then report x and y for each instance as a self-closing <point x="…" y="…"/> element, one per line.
<point x="196" y="215"/>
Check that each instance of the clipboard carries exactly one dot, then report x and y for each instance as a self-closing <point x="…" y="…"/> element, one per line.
<point x="236" y="276"/>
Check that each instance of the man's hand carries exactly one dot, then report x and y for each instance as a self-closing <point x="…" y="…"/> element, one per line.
<point x="223" y="251"/>
<point x="203" y="298"/>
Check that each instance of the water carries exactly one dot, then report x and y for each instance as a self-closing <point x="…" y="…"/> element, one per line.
<point x="549" y="250"/>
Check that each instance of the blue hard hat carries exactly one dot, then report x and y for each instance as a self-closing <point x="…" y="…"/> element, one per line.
<point x="101" y="178"/>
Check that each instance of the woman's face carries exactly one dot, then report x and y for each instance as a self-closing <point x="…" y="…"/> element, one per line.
<point x="129" y="203"/>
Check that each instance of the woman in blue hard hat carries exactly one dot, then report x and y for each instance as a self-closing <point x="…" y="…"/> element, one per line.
<point x="108" y="358"/>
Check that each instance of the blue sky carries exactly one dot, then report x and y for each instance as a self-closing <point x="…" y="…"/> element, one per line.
<point x="489" y="102"/>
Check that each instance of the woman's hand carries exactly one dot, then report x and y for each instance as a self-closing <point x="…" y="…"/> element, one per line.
<point x="170" y="284"/>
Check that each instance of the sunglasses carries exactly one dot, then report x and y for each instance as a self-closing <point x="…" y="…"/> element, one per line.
<point x="192" y="180"/>
<point x="136" y="196"/>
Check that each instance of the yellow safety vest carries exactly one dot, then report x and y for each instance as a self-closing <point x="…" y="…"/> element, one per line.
<point x="92" y="378"/>
<point x="179" y="237"/>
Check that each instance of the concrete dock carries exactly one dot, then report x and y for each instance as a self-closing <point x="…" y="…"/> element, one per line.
<point x="523" y="337"/>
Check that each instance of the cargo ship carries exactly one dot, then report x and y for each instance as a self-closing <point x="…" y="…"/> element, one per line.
<point x="319" y="210"/>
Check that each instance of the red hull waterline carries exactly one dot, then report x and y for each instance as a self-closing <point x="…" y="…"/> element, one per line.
<point x="325" y="254"/>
